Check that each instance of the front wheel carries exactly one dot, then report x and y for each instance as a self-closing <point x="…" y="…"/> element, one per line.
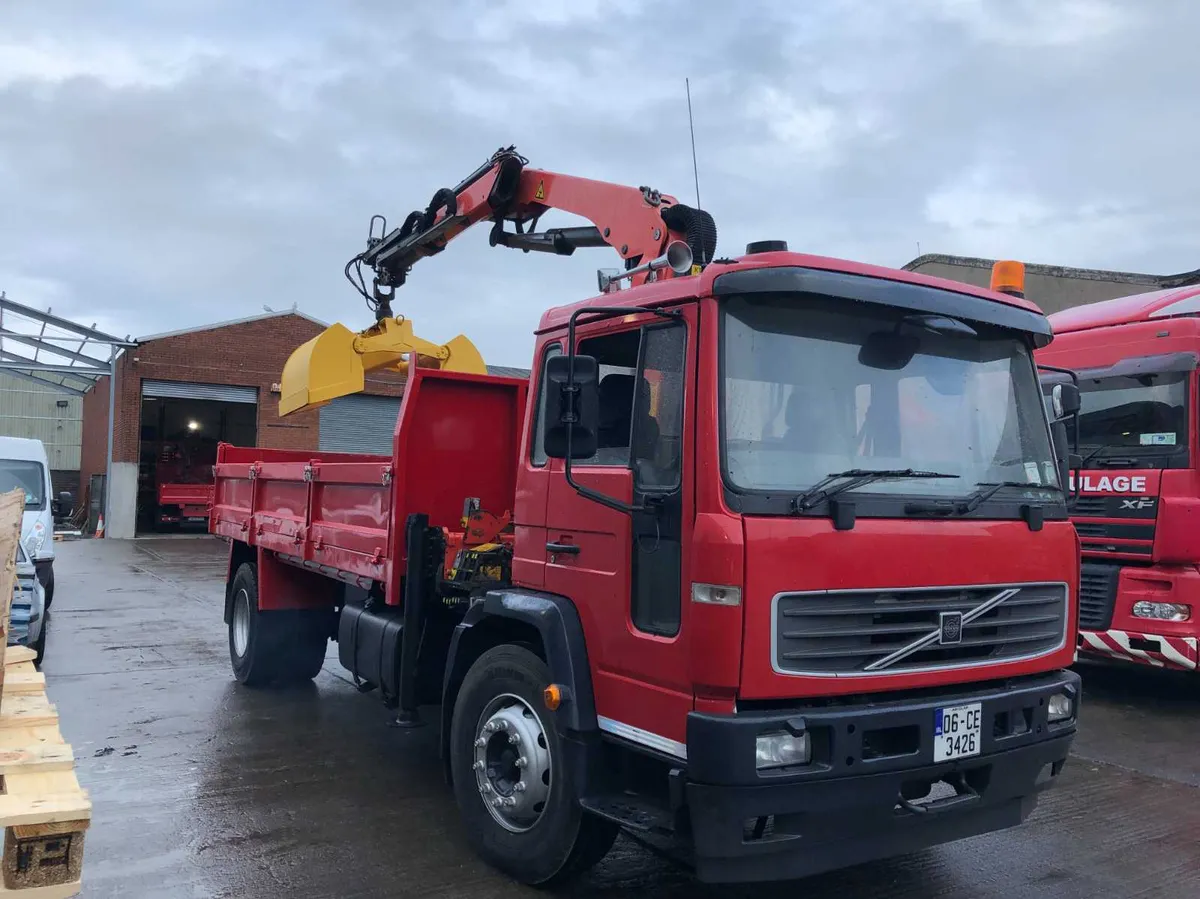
<point x="278" y="646"/>
<point x="48" y="586"/>
<point x="40" y="645"/>
<point x="510" y="780"/>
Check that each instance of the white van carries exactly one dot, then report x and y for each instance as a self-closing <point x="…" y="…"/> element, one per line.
<point x="23" y="464"/>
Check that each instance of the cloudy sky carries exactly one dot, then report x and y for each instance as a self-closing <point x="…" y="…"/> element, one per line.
<point x="172" y="163"/>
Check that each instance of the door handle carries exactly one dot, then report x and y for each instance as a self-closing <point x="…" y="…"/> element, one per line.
<point x="570" y="549"/>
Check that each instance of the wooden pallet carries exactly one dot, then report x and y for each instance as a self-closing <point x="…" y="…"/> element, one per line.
<point x="43" y="811"/>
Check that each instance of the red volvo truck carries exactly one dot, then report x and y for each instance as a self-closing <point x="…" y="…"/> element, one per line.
<point x="768" y="565"/>
<point x="1138" y="508"/>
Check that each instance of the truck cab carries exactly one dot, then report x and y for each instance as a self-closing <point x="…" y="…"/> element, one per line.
<point x="750" y="622"/>
<point x="1138" y="494"/>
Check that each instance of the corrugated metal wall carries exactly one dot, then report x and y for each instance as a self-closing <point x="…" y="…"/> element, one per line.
<point x="49" y="415"/>
<point x="359" y="423"/>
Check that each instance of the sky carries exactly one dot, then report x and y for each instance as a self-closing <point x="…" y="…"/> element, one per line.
<point x="170" y="164"/>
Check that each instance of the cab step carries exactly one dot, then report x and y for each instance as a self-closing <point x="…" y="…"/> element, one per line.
<point x="631" y="812"/>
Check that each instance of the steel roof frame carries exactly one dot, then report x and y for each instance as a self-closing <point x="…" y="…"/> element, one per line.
<point x="68" y="365"/>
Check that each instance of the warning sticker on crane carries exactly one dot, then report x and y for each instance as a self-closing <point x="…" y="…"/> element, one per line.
<point x="540" y="193"/>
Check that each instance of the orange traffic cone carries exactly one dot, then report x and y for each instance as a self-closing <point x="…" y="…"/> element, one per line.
<point x="100" y="526"/>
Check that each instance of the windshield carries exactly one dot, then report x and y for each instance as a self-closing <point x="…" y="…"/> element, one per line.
<point x="814" y="386"/>
<point x="28" y="476"/>
<point x="1140" y="420"/>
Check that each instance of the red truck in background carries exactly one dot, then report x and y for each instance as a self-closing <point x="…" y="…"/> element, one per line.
<point x="184" y="481"/>
<point x="768" y="565"/>
<point x="1138" y="509"/>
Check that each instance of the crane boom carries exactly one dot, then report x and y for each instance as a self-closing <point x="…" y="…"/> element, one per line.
<point x="638" y="222"/>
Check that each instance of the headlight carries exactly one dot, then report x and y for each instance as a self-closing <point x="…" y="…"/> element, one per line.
<point x="1060" y="708"/>
<point x="781" y="749"/>
<point x="1162" y="611"/>
<point x="35" y="541"/>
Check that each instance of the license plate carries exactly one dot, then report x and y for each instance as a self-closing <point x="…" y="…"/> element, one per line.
<point x="957" y="732"/>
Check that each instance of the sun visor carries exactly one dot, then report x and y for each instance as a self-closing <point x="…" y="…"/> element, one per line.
<point x="1162" y="363"/>
<point x="901" y="294"/>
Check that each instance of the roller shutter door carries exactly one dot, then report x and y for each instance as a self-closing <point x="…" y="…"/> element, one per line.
<point x="186" y="390"/>
<point x="359" y="424"/>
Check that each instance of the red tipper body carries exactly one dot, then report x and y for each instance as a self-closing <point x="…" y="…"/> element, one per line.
<point x="344" y="513"/>
<point x="1138" y="511"/>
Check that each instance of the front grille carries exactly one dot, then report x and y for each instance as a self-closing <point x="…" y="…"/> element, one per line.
<point x="854" y="632"/>
<point x="1129" y="530"/>
<point x="1095" y="506"/>
<point x="1097" y="530"/>
<point x="1097" y="595"/>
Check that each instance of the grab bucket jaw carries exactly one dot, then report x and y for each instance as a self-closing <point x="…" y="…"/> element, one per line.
<point x="335" y="362"/>
<point x="324" y="368"/>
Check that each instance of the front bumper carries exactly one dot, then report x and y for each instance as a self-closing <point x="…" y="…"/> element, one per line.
<point x="26" y="614"/>
<point x="845" y="808"/>
<point x="1140" y="647"/>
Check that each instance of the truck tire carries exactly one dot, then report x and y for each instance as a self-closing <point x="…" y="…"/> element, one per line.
<point x="284" y="646"/>
<point x="40" y="646"/>
<point x="519" y="806"/>
<point x="305" y="644"/>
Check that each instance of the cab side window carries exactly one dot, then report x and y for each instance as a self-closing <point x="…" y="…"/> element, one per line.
<point x="538" y="451"/>
<point x="658" y="407"/>
<point x="617" y="357"/>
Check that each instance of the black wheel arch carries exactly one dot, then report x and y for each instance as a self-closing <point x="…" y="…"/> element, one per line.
<point x="546" y="623"/>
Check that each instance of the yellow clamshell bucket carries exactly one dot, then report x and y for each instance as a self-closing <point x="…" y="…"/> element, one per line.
<point x="335" y="362"/>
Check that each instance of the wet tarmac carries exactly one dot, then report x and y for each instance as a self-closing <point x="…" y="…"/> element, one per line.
<point x="204" y="789"/>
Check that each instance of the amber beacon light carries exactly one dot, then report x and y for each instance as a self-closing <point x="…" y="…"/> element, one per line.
<point x="1008" y="277"/>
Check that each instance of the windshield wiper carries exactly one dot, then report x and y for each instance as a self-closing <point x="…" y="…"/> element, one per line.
<point x="857" y="477"/>
<point x="987" y="490"/>
<point x="1113" y="462"/>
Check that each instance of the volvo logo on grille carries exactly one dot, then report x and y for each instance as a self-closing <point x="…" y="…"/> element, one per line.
<point x="945" y="633"/>
<point x="950" y="629"/>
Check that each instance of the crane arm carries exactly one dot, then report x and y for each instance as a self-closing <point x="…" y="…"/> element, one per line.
<point x="640" y="223"/>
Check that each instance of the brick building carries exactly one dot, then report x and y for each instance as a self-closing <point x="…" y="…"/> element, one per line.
<point x="217" y="382"/>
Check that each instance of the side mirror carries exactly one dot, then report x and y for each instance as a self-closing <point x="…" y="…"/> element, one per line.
<point x="574" y="412"/>
<point x="62" y="504"/>
<point x="1064" y="400"/>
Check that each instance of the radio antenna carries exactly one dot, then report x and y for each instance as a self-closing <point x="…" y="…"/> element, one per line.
<point x="692" y="127"/>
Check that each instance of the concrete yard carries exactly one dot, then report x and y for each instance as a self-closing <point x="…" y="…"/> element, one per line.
<point x="205" y="789"/>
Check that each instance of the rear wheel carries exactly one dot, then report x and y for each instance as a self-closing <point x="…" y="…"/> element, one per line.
<point x="277" y="646"/>
<point x="510" y="780"/>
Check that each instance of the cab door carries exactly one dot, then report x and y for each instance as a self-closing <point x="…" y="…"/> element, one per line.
<point x="533" y="482"/>
<point x="626" y="571"/>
